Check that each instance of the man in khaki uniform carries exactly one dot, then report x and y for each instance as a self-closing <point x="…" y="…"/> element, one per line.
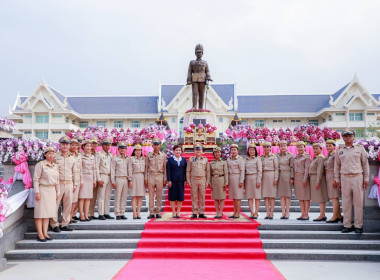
<point x="74" y="151"/>
<point x="67" y="183"/>
<point x="91" y="215"/>
<point x="103" y="178"/>
<point x="351" y="171"/>
<point x="155" y="177"/>
<point x="120" y="175"/>
<point x="198" y="178"/>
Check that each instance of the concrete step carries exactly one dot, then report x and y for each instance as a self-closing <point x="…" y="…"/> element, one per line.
<point x="312" y="235"/>
<point x="78" y="244"/>
<point x="90" y="234"/>
<point x="325" y="255"/>
<point x="321" y="244"/>
<point x="300" y="226"/>
<point x="51" y="254"/>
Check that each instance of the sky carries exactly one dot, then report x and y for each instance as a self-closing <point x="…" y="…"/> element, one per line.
<point x="129" y="47"/>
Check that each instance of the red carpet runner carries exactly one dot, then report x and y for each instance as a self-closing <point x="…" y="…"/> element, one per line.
<point x="199" y="249"/>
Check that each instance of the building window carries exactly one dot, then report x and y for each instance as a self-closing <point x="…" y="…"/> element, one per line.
<point x="243" y="121"/>
<point x="28" y="116"/>
<point x="57" y="116"/>
<point x="295" y="121"/>
<point x="277" y="121"/>
<point x="220" y="120"/>
<point x="220" y="134"/>
<point x="370" y="114"/>
<point x="57" y="132"/>
<point x="259" y="123"/>
<point x="173" y="120"/>
<point x="359" y="132"/>
<point x="118" y="124"/>
<point x="67" y="119"/>
<point x="340" y="114"/>
<point x="339" y="131"/>
<point x="355" y="117"/>
<point x="136" y="124"/>
<point x="101" y="123"/>
<point x="313" y="122"/>
<point x="83" y="124"/>
<point x="42" y="119"/>
<point x="330" y="118"/>
<point x="42" y="134"/>
<point x="27" y="132"/>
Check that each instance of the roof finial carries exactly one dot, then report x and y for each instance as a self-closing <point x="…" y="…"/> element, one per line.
<point x="355" y="78"/>
<point x="43" y="80"/>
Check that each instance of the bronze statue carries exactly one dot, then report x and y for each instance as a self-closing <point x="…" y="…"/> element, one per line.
<point x="198" y="76"/>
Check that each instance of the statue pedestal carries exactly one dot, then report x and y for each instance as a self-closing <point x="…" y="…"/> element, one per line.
<point x="199" y="117"/>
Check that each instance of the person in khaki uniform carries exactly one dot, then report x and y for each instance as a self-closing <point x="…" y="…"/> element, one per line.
<point x="136" y="181"/>
<point x="270" y="179"/>
<point x="46" y="188"/>
<point x="218" y="181"/>
<point x="88" y="181"/>
<point x="103" y="174"/>
<point x="252" y="182"/>
<point x="236" y="172"/>
<point x="155" y="177"/>
<point x="120" y="174"/>
<point x="67" y="184"/>
<point x="91" y="213"/>
<point x="318" y="189"/>
<point x="332" y="188"/>
<point x="285" y="178"/>
<point x="301" y="182"/>
<point x="351" y="172"/>
<point x="74" y="151"/>
<point x="198" y="178"/>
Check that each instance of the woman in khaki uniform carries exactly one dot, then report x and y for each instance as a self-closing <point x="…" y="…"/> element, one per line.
<point x="136" y="183"/>
<point x="318" y="187"/>
<point x="270" y="179"/>
<point x="236" y="172"/>
<point x="332" y="188"/>
<point x="46" y="187"/>
<point x="301" y="182"/>
<point x="219" y="181"/>
<point x="88" y="182"/>
<point x="285" y="178"/>
<point x="252" y="182"/>
<point x="74" y="151"/>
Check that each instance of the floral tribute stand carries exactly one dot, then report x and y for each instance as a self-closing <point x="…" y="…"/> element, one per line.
<point x="199" y="127"/>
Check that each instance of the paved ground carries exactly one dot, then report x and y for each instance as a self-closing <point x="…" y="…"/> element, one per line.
<point x="76" y="270"/>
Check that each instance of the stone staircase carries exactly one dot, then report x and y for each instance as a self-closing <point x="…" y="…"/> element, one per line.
<point x="282" y="239"/>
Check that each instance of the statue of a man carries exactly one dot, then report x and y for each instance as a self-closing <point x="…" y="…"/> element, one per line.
<point x="198" y="76"/>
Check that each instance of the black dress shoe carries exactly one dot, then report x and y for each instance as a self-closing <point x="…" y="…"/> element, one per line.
<point x="346" y="230"/>
<point x="266" y="218"/>
<point x="139" y="217"/>
<point x="320" y="220"/>
<point x="41" y="240"/>
<point x="178" y="217"/>
<point x="56" y="229"/>
<point x="194" y="216"/>
<point x="282" y="217"/>
<point x="232" y="217"/>
<point x="236" y="217"/>
<point x="94" y="218"/>
<point x="73" y="221"/>
<point x="108" y="217"/>
<point x="270" y="218"/>
<point x="255" y="218"/>
<point x="333" y="221"/>
<point x="299" y="218"/>
<point x="90" y="219"/>
<point x="216" y="217"/>
<point x="202" y="216"/>
<point x="118" y="217"/>
<point x="75" y="218"/>
<point x="102" y="218"/>
<point x="359" y="230"/>
<point x="83" y="220"/>
<point x="286" y="218"/>
<point x="158" y="216"/>
<point x="48" y="238"/>
<point x="151" y="216"/>
<point x="135" y="218"/>
<point x="123" y="217"/>
<point x="341" y="219"/>
<point x="66" y="229"/>
<point x="304" y="219"/>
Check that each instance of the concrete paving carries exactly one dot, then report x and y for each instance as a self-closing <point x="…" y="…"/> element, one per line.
<point x="76" y="270"/>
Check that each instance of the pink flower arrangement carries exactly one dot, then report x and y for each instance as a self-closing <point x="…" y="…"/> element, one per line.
<point x="6" y="124"/>
<point x="197" y="111"/>
<point x="4" y="207"/>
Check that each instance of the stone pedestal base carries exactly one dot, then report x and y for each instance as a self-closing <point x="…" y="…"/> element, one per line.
<point x="199" y="117"/>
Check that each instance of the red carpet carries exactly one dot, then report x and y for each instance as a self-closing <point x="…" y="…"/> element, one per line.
<point x="199" y="249"/>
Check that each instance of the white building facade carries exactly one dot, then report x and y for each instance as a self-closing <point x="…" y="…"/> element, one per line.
<point x="49" y="114"/>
